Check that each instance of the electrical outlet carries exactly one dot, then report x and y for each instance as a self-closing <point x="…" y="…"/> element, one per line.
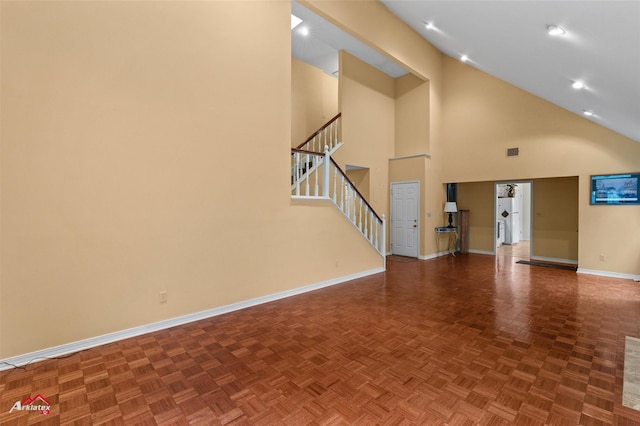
<point x="602" y="258"/>
<point x="163" y="297"/>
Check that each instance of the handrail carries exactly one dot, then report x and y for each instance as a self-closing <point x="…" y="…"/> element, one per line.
<point x="313" y="176"/>
<point x="317" y="132"/>
<point x="304" y="151"/>
<point x="355" y="188"/>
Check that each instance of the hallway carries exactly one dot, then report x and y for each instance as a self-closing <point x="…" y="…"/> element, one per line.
<point x="520" y="250"/>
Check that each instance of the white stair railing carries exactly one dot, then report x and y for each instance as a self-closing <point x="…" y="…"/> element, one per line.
<point x="304" y="169"/>
<point x="328" y="135"/>
<point x="318" y="176"/>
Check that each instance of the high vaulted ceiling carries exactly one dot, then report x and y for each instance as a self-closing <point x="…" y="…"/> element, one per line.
<point x="509" y="40"/>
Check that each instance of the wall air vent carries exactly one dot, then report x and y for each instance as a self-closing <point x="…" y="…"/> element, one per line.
<point x="513" y="152"/>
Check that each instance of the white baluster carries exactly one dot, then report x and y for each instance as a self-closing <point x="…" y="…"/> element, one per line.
<point x="315" y="189"/>
<point x="360" y="216"/>
<point x="366" y="229"/>
<point x="335" y="181"/>
<point x="296" y="171"/>
<point x="353" y="198"/>
<point x="375" y="240"/>
<point x="342" y="193"/>
<point x="326" y="171"/>
<point x="324" y="131"/>
<point x="331" y="140"/>
<point x="383" y="248"/>
<point x="307" y="175"/>
<point x="347" y="194"/>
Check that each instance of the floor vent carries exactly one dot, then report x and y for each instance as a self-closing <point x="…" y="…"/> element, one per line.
<point x="513" y="152"/>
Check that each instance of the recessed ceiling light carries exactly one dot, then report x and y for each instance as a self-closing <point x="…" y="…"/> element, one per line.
<point x="578" y="84"/>
<point x="555" y="30"/>
<point x="587" y="113"/>
<point x="304" y="31"/>
<point x="464" y="58"/>
<point x="429" y="26"/>
<point x="295" y="21"/>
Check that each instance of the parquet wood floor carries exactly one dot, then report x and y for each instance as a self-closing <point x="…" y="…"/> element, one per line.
<point x="459" y="340"/>
<point x="521" y="250"/>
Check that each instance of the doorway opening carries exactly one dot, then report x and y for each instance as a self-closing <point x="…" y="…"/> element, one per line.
<point x="359" y="176"/>
<point x="513" y="221"/>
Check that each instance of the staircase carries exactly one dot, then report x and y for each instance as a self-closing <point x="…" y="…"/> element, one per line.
<point x="315" y="175"/>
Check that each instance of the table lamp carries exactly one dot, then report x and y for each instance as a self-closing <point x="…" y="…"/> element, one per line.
<point x="450" y="207"/>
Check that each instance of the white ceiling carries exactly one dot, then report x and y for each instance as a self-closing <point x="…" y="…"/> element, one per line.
<point x="320" y="47"/>
<point x="508" y="39"/>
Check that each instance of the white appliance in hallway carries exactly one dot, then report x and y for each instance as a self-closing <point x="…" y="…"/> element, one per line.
<point x="500" y="238"/>
<point x="509" y="210"/>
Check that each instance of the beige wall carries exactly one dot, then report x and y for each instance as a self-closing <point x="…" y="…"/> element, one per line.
<point x="478" y="198"/>
<point x="483" y="116"/>
<point x="133" y="135"/>
<point x="367" y="104"/>
<point x="610" y="231"/>
<point x="555" y="218"/>
<point x="314" y="99"/>
<point x="360" y="178"/>
<point x="411" y="116"/>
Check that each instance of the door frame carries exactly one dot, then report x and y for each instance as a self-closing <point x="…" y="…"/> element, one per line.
<point x="418" y="228"/>
<point x="495" y="212"/>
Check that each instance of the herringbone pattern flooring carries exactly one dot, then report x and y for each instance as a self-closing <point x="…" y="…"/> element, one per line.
<point x="459" y="341"/>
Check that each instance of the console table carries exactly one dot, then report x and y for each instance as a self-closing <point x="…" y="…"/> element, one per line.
<point x="452" y="234"/>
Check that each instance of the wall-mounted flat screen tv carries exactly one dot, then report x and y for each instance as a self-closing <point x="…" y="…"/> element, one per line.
<point x="619" y="189"/>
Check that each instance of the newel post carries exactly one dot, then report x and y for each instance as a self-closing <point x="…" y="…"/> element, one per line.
<point x="325" y="174"/>
<point x="384" y="243"/>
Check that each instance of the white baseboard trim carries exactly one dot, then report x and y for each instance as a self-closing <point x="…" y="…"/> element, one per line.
<point x="310" y="197"/>
<point x="490" y="253"/>
<point x="434" y="255"/>
<point x="555" y="259"/>
<point x="92" y="342"/>
<point x="609" y="274"/>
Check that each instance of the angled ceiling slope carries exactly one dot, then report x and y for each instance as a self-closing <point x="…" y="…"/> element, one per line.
<point x="509" y="40"/>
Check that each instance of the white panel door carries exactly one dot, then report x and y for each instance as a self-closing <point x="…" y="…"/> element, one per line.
<point x="404" y="219"/>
